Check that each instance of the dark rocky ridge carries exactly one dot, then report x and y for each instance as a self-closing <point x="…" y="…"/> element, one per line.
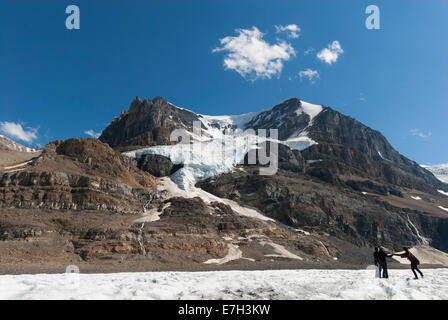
<point x="147" y="123"/>
<point x="157" y="165"/>
<point x="333" y="128"/>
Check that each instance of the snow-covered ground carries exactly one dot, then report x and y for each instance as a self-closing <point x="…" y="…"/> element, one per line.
<point x="273" y="284"/>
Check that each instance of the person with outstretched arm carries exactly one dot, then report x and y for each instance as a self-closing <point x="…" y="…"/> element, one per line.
<point x="413" y="259"/>
<point x="379" y="257"/>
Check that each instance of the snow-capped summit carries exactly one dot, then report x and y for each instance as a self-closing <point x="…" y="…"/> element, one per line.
<point x="290" y="117"/>
<point x="10" y="145"/>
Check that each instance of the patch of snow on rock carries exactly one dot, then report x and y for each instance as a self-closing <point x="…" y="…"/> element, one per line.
<point x="310" y="109"/>
<point x="234" y="253"/>
<point x="174" y="191"/>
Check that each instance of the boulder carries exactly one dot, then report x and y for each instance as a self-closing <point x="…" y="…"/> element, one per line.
<point x="157" y="165"/>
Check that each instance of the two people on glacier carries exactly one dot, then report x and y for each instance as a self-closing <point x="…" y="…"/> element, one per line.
<point x="380" y="261"/>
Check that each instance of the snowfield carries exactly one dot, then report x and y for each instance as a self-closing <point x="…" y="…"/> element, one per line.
<point x="272" y="284"/>
<point x="440" y="171"/>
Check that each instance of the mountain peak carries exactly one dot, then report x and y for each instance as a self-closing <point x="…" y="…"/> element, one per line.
<point x="158" y="99"/>
<point x="147" y="123"/>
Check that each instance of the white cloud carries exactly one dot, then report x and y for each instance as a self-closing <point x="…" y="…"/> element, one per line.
<point x="312" y="75"/>
<point x="419" y="133"/>
<point x="292" y="30"/>
<point x="252" y="57"/>
<point x="92" y="133"/>
<point x="308" y="51"/>
<point x="15" y="130"/>
<point x="331" y="53"/>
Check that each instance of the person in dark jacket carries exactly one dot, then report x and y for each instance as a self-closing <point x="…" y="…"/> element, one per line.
<point x="379" y="257"/>
<point x="413" y="259"/>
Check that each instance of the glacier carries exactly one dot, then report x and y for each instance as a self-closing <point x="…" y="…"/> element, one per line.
<point x="440" y="171"/>
<point x="302" y="284"/>
<point x="221" y="145"/>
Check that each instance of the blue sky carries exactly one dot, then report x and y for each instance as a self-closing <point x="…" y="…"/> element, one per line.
<point x="58" y="83"/>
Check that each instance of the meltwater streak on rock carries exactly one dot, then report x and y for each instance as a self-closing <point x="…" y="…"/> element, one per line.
<point x="140" y="239"/>
<point x="423" y="240"/>
<point x="140" y="230"/>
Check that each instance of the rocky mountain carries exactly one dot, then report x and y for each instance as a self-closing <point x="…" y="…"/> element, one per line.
<point x="81" y="202"/>
<point x="319" y="132"/>
<point x="7" y="144"/>
<point x="340" y="137"/>
<point x="133" y="200"/>
<point x="75" y="174"/>
<point x="323" y="155"/>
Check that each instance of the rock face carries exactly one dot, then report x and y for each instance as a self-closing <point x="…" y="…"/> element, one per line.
<point x="332" y="128"/>
<point x="287" y="117"/>
<point x="288" y="160"/>
<point x="157" y="165"/>
<point x="147" y="123"/>
<point x="331" y="207"/>
<point x="348" y="161"/>
<point x="76" y="174"/>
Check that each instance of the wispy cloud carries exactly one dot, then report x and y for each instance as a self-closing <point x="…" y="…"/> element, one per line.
<point x="331" y="53"/>
<point x="311" y="75"/>
<point x="419" y="133"/>
<point x="362" y="98"/>
<point x="92" y="133"/>
<point x="15" y="130"/>
<point x="251" y="56"/>
<point x="292" y="30"/>
<point x="308" y="51"/>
